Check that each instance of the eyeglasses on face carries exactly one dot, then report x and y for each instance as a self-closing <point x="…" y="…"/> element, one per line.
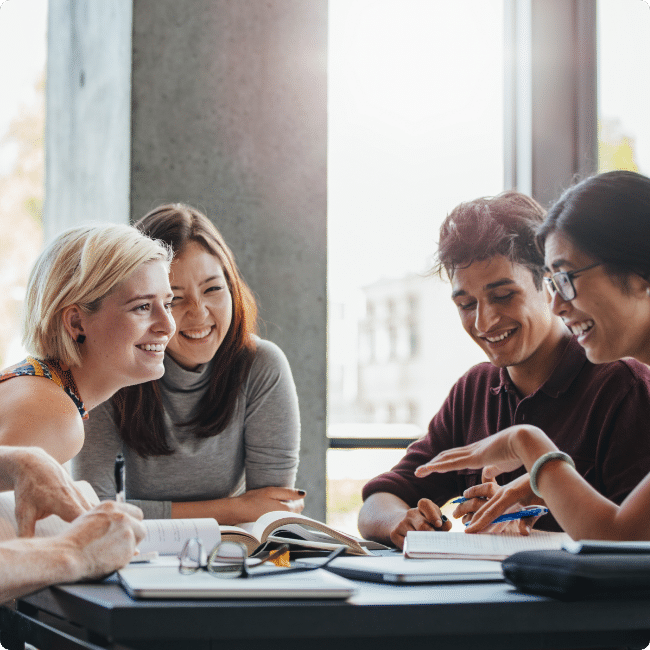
<point x="228" y="560"/>
<point x="562" y="282"/>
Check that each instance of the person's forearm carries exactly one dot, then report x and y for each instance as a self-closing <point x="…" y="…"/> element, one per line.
<point x="12" y="463"/>
<point x="225" y="510"/>
<point x="27" y="565"/>
<point x="229" y="511"/>
<point x="243" y="508"/>
<point x="379" y="515"/>
<point x="580" y="510"/>
<point x="7" y="467"/>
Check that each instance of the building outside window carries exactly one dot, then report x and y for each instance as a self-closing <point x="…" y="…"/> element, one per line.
<point x="415" y="127"/>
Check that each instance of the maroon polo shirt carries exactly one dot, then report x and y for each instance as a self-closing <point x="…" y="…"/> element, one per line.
<point x="598" y="414"/>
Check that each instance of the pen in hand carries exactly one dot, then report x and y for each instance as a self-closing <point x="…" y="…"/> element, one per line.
<point x="537" y="511"/>
<point x="119" y="478"/>
<point x="521" y="514"/>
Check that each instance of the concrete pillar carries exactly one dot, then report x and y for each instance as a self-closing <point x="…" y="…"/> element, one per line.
<point x="228" y="113"/>
<point x="88" y="118"/>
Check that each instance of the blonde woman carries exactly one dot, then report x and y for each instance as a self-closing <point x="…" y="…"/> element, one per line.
<point x="96" y="318"/>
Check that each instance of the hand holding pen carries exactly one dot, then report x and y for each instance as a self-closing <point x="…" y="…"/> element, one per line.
<point x="529" y="511"/>
<point x="485" y="502"/>
<point x="425" y="516"/>
<point x="120" y="498"/>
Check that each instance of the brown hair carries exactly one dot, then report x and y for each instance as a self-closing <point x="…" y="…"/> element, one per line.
<point x="139" y="408"/>
<point x="477" y="230"/>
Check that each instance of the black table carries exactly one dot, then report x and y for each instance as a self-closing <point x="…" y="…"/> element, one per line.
<point x="378" y="617"/>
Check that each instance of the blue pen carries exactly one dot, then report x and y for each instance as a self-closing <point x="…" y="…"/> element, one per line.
<point x="512" y="516"/>
<point x="521" y="514"/>
<point x="463" y="499"/>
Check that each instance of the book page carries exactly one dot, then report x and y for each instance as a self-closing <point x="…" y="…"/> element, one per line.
<point x="273" y="521"/>
<point x="240" y="535"/>
<point x="427" y="544"/>
<point x="168" y="536"/>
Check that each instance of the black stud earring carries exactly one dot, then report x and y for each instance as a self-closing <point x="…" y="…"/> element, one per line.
<point x="81" y="338"/>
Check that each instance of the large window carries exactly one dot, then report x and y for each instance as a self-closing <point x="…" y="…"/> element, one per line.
<point x="415" y="127"/>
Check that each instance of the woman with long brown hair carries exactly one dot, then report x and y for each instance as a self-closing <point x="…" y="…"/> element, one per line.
<point x="219" y="435"/>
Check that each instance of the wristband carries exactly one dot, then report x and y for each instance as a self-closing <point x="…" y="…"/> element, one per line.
<point x="541" y="461"/>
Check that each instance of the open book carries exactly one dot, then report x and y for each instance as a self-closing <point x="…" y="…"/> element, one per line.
<point x="164" y="536"/>
<point x="431" y="544"/>
<point x="291" y="528"/>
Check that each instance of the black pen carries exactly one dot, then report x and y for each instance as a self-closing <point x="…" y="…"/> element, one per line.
<point x="119" y="478"/>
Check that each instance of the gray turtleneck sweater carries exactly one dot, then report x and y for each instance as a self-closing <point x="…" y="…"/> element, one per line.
<point x="258" y="448"/>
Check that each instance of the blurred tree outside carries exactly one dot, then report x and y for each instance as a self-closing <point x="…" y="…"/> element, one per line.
<point x="21" y="207"/>
<point x="615" y="149"/>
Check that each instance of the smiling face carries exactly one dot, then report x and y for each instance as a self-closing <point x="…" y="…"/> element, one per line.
<point x="609" y="320"/>
<point x="202" y="306"/>
<point x="126" y="337"/>
<point x="506" y="315"/>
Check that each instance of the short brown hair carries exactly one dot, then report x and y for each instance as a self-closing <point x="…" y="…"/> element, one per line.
<point x="477" y="230"/>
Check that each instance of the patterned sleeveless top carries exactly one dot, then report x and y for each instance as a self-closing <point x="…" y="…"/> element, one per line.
<point x="52" y="370"/>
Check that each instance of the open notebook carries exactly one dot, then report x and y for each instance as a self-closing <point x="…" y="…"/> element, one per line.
<point x="431" y="544"/>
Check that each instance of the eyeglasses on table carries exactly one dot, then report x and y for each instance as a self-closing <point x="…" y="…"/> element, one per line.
<point x="228" y="560"/>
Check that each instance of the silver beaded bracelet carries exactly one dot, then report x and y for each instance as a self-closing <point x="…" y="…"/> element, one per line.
<point x="541" y="461"/>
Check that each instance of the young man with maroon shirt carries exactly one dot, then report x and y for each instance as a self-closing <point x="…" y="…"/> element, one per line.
<point x="538" y="374"/>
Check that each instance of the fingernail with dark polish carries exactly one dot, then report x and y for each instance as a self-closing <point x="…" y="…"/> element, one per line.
<point x="301" y="493"/>
<point x="444" y="518"/>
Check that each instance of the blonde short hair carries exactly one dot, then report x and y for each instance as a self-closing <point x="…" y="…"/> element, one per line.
<point x="80" y="267"/>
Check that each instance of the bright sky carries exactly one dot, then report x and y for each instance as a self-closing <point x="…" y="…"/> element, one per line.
<point x="415" y="127"/>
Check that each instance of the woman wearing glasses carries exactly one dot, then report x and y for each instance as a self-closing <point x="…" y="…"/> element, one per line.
<point x="597" y="253"/>
<point x="219" y="435"/>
